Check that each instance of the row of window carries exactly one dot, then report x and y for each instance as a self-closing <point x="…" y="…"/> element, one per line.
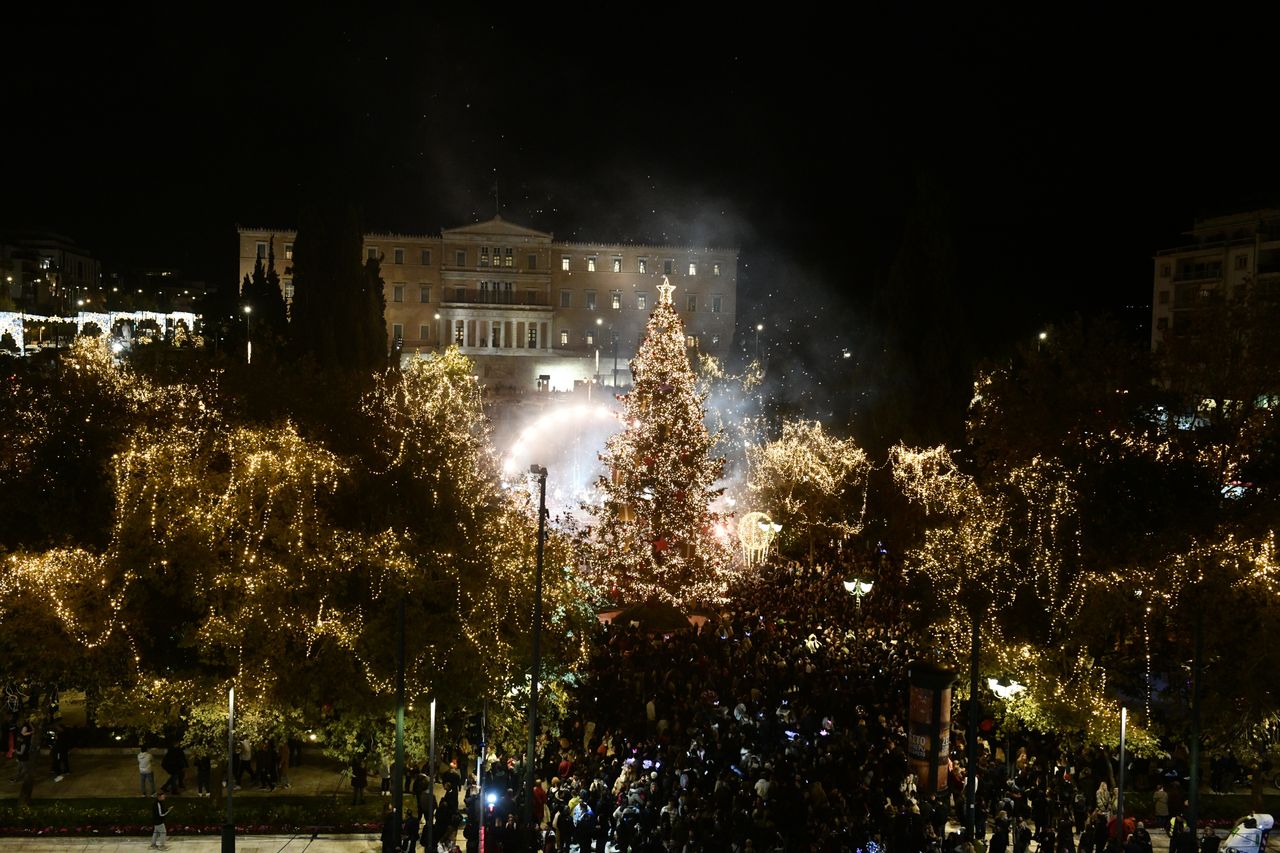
<point x="642" y="301"/>
<point x="1203" y="269"/>
<point x="460" y="333"/>
<point x="288" y="251"/>
<point x="499" y="256"/>
<point x="502" y="292"/>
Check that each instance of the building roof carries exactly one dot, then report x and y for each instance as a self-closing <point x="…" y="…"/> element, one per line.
<point x="496" y="227"/>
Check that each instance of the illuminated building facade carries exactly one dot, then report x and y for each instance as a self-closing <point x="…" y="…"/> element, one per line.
<point x="530" y="310"/>
<point x="45" y="272"/>
<point x="1225" y="257"/>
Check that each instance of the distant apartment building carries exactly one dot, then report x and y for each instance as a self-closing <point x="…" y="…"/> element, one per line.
<point x="48" y="273"/>
<point x="530" y="310"/>
<point x="1225" y="257"/>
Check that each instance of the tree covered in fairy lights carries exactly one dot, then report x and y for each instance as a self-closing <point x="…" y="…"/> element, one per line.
<point x="658" y="536"/>
<point x="260" y="555"/>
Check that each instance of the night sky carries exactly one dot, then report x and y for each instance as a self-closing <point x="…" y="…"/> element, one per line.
<point x="1061" y="150"/>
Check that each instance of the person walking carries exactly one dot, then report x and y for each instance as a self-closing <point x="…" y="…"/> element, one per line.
<point x="145" y="773"/>
<point x="22" y="752"/>
<point x="159" y="810"/>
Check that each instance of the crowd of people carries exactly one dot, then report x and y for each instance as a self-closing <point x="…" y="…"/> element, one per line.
<point x="782" y="727"/>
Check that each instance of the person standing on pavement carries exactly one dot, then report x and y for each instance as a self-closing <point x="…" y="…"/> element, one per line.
<point x="145" y="773"/>
<point x="175" y="764"/>
<point x="60" y="751"/>
<point x="159" y="810"/>
<point x="204" y="773"/>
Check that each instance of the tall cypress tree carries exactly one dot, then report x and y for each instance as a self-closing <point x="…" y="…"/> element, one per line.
<point x="657" y="535"/>
<point x="338" y="311"/>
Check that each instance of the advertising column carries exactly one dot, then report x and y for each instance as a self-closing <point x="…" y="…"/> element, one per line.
<point x="929" y="725"/>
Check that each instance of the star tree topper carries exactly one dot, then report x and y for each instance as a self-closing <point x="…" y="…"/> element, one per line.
<point x="665" y="290"/>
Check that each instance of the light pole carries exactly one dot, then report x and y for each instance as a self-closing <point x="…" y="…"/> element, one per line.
<point x="1006" y="689"/>
<point x="599" y="325"/>
<point x="248" y="339"/>
<point x="1040" y="339"/>
<point x="541" y="473"/>
<point x="229" y="828"/>
<point x="759" y="329"/>
<point x="858" y="588"/>
<point x="1124" y="724"/>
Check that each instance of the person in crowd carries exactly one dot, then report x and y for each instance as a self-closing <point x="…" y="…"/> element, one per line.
<point x="145" y="772"/>
<point x="159" y="811"/>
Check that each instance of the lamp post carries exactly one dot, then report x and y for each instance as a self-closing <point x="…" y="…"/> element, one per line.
<point x="759" y="329"/>
<point x="541" y="473"/>
<point x="613" y="335"/>
<point x="1124" y="724"/>
<point x="229" y="828"/>
<point x="1006" y="689"/>
<point x="858" y="588"/>
<point x="248" y="340"/>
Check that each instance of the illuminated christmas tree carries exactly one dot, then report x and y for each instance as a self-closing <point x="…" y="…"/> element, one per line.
<point x="658" y="536"/>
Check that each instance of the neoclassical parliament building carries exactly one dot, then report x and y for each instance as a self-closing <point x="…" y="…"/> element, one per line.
<point x="531" y="311"/>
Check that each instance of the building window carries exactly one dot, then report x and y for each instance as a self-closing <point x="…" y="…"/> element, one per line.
<point x="693" y="268"/>
<point x="288" y="289"/>
<point x="1164" y="297"/>
<point x="533" y="262"/>
<point x="460" y="257"/>
<point x="666" y="267"/>
<point x="397" y="293"/>
<point x="484" y="256"/>
<point x="397" y="333"/>
<point x="371" y="252"/>
<point x="1165" y="271"/>
<point x="591" y="300"/>
<point x="642" y="302"/>
<point x="508" y="259"/>
<point x="1162" y="323"/>
<point x="564" y="262"/>
<point x="564" y="337"/>
<point x="617" y="264"/>
<point x="262" y="253"/>
<point x="459" y="332"/>
<point x="691" y="303"/>
<point x="690" y="341"/>
<point x="615" y="300"/>
<point x="716" y="304"/>
<point x="426" y="257"/>
<point x="424" y="333"/>
<point x="460" y="294"/>
<point x="591" y="264"/>
<point x="1242" y="262"/>
<point x="715" y="269"/>
<point x="288" y="251"/>
<point x="397" y="256"/>
<point x="424" y="293"/>
<point x="642" y="265"/>
<point x="566" y="299"/>
<point x="591" y="338"/>
<point x="531" y="297"/>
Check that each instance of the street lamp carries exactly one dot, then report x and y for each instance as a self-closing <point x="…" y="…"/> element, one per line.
<point x="541" y="473"/>
<point x="858" y="588"/>
<point x="229" y="828"/>
<point x="759" y="329"/>
<point x="1006" y="689"/>
<point x="248" y="343"/>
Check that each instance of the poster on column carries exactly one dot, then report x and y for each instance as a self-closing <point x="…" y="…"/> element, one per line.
<point x="929" y="726"/>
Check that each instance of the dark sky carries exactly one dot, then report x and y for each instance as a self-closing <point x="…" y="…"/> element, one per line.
<point x="1066" y="147"/>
